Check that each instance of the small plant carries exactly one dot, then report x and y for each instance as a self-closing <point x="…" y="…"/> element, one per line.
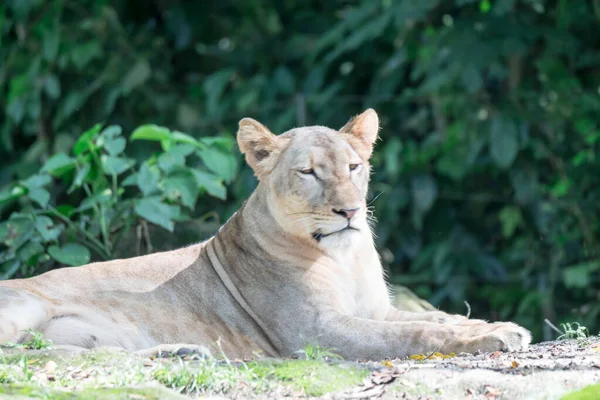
<point x="570" y="330"/>
<point x="316" y="352"/>
<point x="573" y="330"/>
<point x="37" y="342"/>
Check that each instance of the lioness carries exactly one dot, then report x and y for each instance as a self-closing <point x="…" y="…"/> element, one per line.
<point x="295" y="265"/>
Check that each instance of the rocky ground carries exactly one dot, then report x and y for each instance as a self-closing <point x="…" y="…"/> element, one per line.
<point x="548" y="370"/>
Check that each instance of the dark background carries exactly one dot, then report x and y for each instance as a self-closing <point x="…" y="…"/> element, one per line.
<point x="486" y="183"/>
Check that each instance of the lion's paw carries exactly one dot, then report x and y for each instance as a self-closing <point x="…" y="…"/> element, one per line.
<point x="503" y="336"/>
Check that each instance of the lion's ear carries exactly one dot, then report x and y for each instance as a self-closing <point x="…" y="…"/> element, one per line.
<point x="259" y="145"/>
<point x="362" y="132"/>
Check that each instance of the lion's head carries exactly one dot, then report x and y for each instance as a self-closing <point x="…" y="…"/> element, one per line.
<point x="316" y="177"/>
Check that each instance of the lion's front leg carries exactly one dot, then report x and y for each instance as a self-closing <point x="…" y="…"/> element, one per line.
<point x="358" y="338"/>
<point x="439" y="317"/>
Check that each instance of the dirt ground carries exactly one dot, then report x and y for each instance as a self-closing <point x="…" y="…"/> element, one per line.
<point x="548" y="370"/>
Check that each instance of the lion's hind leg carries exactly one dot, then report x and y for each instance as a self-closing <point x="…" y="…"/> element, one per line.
<point x="19" y="312"/>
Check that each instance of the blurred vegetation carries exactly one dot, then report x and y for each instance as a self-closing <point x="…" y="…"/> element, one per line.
<point x="485" y="186"/>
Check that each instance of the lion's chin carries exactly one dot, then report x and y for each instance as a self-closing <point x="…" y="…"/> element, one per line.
<point x="337" y="238"/>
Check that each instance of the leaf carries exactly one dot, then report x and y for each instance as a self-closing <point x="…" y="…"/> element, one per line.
<point x="214" y="87"/>
<point x="182" y="185"/>
<point x="147" y="179"/>
<point x="525" y="184"/>
<point x="114" y="147"/>
<point x="36" y="181"/>
<point x="72" y="254"/>
<point x="504" y="144"/>
<point x="9" y="269"/>
<point x="65" y="209"/>
<point x="16" y="110"/>
<point x="424" y="192"/>
<point x="97" y="198"/>
<point x="131" y="180"/>
<point x="29" y="250"/>
<point x="157" y="212"/>
<point x="16" y="192"/>
<point x="111" y="131"/>
<point x="43" y="225"/>
<point x="116" y="165"/>
<point x="578" y="276"/>
<point x="391" y="155"/>
<point x="50" y="43"/>
<point x="151" y="132"/>
<point x="20" y="229"/>
<point x="40" y="196"/>
<point x="84" y="143"/>
<point x="219" y="162"/>
<point x="52" y="86"/>
<point x="211" y="183"/>
<point x="180" y="137"/>
<point x="82" y="54"/>
<point x="224" y="143"/>
<point x="510" y="218"/>
<point x="111" y="141"/>
<point x="174" y="157"/>
<point x="137" y="76"/>
<point x="561" y="188"/>
<point x="73" y="101"/>
<point x="79" y="177"/>
<point x="485" y="6"/>
<point x="58" y="164"/>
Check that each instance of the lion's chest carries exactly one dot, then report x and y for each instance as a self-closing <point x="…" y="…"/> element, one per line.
<point x="360" y="284"/>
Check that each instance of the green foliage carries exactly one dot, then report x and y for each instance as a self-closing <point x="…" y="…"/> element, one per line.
<point x="484" y="180"/>
<point x="36" y="341"/>
<point x="81" y="203"/>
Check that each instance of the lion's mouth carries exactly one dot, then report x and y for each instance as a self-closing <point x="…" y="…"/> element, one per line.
<point x="318" y="235"/>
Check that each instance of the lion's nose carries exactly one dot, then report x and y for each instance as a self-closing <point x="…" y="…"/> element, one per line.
<point x="346" y="212"/>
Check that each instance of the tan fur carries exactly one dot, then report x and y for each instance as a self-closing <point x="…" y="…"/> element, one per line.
<point x="280" y="274"/>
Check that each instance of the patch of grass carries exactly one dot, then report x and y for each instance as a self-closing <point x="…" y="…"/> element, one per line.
<point x="205" y="375"/>
<point x="109" y="368"/>
<point x="316" y="352"/>
<point x="14" y="373"/>
<point x="588" y="393"/>
<point x="313" y="377"/>
<point x="38" y="392"/>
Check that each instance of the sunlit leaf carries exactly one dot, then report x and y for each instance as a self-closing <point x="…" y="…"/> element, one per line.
<point x="151" y="132"/>
<point x="157" y="212"/>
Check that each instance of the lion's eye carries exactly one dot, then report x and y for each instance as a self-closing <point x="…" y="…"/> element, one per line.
<point x="354" y="166"/>
<point x="307" y="171"/>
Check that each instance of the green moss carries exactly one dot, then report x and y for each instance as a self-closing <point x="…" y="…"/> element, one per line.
<point x="314" y="378"/>
<point x="588" y="393"/>
<point x="117" y="369"/>
<point x="38" y="392"/>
